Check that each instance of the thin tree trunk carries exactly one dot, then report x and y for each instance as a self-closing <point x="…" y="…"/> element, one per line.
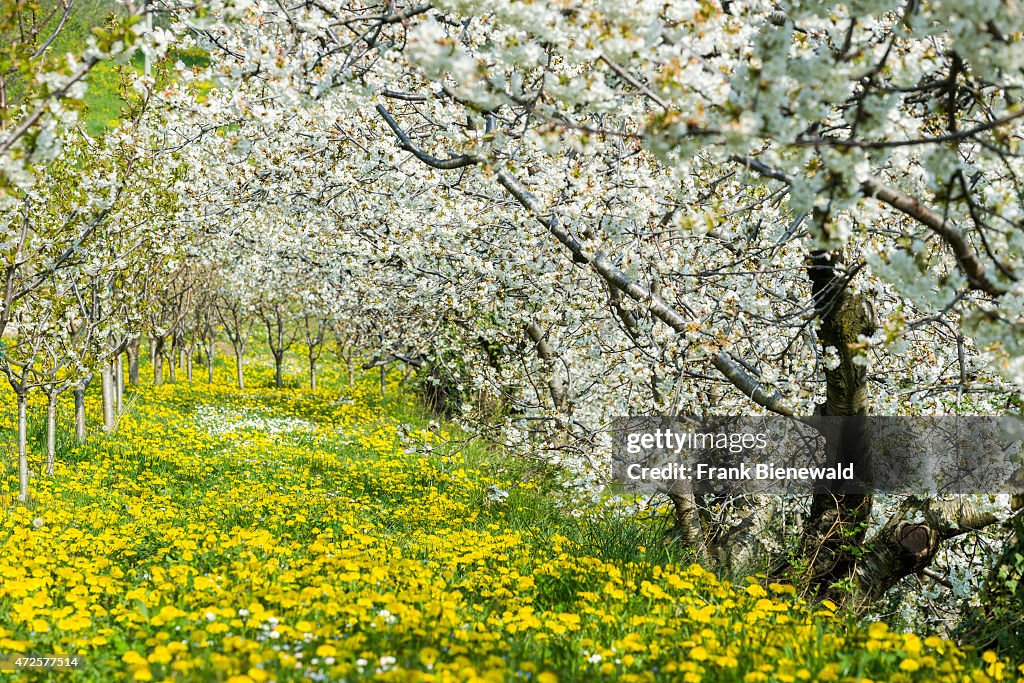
<point x="23" y="447"/>
<point x="171" y="375"/>
<point x="158" y="364"/>
<point x="80" y="432"/>
<point x="238" y="369"/>
<point x="188" y="366"/>
<point x="119" y="384"/>
<point x="209" y="360"/>
<point x="383" y="377"/>
<point x="51" y="432"/>
<point x="278" y="378"/>
<point x="548" y="354"/>
<point x="312" y="373"/>
<point x="182" y="355"/>
<point x="107" y="386"/>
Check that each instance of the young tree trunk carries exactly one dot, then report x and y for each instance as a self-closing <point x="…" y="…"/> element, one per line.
<point x="183" y="358"/>
<point x="51" y="432"/>
<point x="188" y="366"/>
<point x="171" y="375"/>
<point x="158" y="362"/>
<point x="133" y="361"/>
<point x="80" y="432"/>
<point x="107" y="386"/>
<point x="23" y="447"/>
<point x="312" y="373"/>
<point x="351" y="373"/>
<point x="238" y="369"/>
<point x="383" y="377"/>
<point x="119" y="384"/>
<point x="278" y="377"/>
<point x="211" y="346"/>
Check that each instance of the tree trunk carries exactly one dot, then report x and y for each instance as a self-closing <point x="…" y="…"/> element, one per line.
<point x="119" y="384"/>
<point x="183" y="357"/>
<point x="133" y="361"/>
<point x="383" y="377"/>
<point x="80" y="432"/>
<point x="278" y="378"/>
<point x="51" y="432"/>
<point x="548" y="354"/>
<point x="107" y="386"/>
<point x="210" y="350"/>
<point x="158" y="363"/>
<point x="312" y="373"/>
<point x="188" y="361"/>
<point x="238" y="369"/>
<point x="837" y="521"/>
<point x="171" y="374"/>
<point x="23" y="447"/>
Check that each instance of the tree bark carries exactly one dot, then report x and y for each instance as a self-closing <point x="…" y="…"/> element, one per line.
<point x="210" y="350"/>
<point x="80" y="427"/>
<point x="312" y="373"/>
<point x="278" y="376"/>
<point x="51" y="432"/>
<point x="157" y="349"/>
<point x="547" y="354"/>
<point x="240" y="373"/>
<point x="188" y="366"/>
<point x="133" y="361"/>
<point x="383" y="377"/>
<point x="118" y="384"/>
<point x="838" y="520"/>
<point x="107" y="386"/>
<point x="171" y="374"/>
<point x="23" y="447"/>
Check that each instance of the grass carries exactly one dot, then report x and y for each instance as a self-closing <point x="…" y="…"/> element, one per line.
<point x="103" y="101"/>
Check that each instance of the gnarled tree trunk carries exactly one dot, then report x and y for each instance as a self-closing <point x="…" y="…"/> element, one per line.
<point x="837" y="521"/>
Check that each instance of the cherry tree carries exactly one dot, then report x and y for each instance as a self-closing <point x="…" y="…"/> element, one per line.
<point x="662" y="207"/>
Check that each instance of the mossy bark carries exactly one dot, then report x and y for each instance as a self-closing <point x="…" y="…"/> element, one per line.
<point x="837" y="521"/>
